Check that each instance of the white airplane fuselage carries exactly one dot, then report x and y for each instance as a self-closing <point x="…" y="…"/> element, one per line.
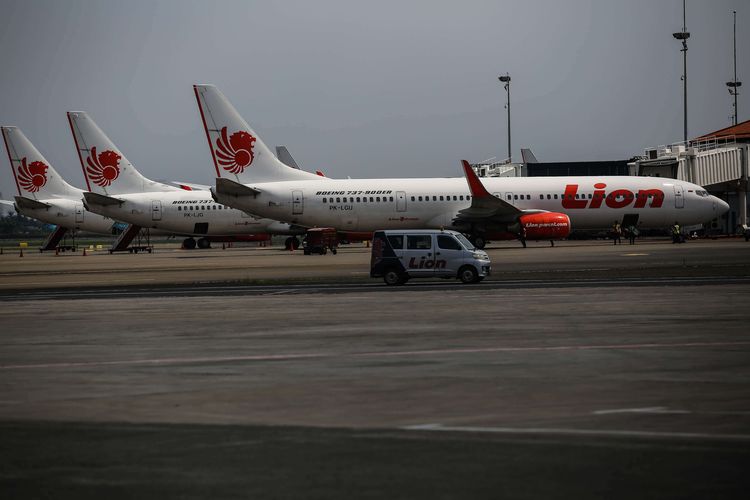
<point x="371" y="204"/>
<point x="70" y="214"/>
<point x="188" y="213"/>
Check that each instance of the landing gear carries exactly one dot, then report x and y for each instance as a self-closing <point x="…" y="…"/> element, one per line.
<point x="478" y="241"/>
<point x="204" y="243"/>
<point x="188" y="244"/>
<point x="291" y="243"/>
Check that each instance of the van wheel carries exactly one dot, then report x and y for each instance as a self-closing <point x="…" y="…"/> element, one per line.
<point x="393" y="277"/>
<point x="468" y="274"/>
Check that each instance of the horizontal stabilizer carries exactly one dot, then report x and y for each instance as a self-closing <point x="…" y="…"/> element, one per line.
<point x="100" y="199"/>
<point x="29" y="203"/>
<point x="232" y="188"/>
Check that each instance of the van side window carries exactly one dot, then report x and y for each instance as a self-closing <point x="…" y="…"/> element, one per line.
<point x="396" y="241"/>
<point x="448" y="242"/>
<point x="419" y="242"/>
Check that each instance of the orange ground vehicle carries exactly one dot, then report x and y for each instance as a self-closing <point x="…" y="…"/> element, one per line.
<point x="320" y="240"/>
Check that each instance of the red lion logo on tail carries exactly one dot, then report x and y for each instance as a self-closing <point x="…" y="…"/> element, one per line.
<point x="104" y="168"/>
<point x="32" y="177"/>
<point x="235" y="153"/>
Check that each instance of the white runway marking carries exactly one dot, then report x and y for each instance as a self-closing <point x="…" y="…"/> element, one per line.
<point x="662" y="410"/>
<point x="382" y="354"/>
<point x="579" y="432"/>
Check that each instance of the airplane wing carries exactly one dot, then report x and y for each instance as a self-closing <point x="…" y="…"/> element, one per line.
<point x="484" y="206"/>
<point x="30" y="203"/>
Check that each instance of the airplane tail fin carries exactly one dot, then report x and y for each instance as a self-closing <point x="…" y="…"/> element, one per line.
<point x="238" y="153"/>
<point x="34" y="175"/>
<point x="106" y="169"/>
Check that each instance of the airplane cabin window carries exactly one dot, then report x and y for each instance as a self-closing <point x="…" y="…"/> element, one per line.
<point x="391" y="198"/>
<point x="191" y="208"/>
<point x="455" y="198"/>
<point x="549" y="196"/>
<point x="515" y="196"/>
<point x="461" y="197"/>
<point x="325" y="200"/>
<point x="372" y="200"/>
<point x="555" y="196"/>
<point x="420" y="198"/>
<point x="357" y="199"/>
<point x="377" y="198"/>
<point x="338" y="200"/>
<point x="412" y="198"/>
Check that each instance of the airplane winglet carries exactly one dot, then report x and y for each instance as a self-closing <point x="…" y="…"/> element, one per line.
<point x="475" y="185"/>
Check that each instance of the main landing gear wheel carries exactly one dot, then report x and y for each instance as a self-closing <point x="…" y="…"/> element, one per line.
<point x="468" y="274"/>
<point x="188" y="243"/>
<point x="204" y="243"/>
<point x="393" y="277"/>
<point x="291" y="243"/>
<point x="479" y="241"/>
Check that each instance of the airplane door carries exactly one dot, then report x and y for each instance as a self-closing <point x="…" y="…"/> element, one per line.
<point x="679" y="199"/>
<point x="297" y="203"/>
<point x="79" y="213"/>
<point x="155" y="209"/>
<point x="419" y="256"/>
<point x="400" y="201"/>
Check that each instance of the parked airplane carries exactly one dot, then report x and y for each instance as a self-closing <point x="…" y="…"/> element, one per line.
<point x="117" y="189"/>
<point x="250" y="178"/>
<point x="44" y="195"/>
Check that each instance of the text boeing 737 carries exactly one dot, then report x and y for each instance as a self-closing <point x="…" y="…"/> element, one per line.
<point x="251" y="178"/>
<point x="117" y="189"/>
<point x="44" y="195"/>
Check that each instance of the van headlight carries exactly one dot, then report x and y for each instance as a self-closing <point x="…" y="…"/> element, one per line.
<point x="480" y="255"/>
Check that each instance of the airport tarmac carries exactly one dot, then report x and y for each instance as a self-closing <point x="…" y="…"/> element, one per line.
<point x="584" y="370"/>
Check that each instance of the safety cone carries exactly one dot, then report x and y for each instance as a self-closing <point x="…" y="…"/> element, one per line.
<point x="84" y="251"/>
<point x="21" y="254"/>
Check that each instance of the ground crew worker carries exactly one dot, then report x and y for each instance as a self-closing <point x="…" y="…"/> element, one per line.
<point x="616" y="232"/>
<point x="632" y="233"/>
<point x="676" y="233"/>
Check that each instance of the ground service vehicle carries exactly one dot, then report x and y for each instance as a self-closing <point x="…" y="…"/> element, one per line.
<point x="320" y="240"/>
<point x="398" y="255"/>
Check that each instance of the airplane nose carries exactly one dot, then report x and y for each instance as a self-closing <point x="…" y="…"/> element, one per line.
<point x="720" y="206"/>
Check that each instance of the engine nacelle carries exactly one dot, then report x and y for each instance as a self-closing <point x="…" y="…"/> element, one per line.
<point x="545" y="226"/>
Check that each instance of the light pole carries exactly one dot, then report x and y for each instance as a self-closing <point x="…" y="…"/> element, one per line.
<point x="734" y="84"/>
<point x="506" y="80"/>
<point x="683" y="36"/>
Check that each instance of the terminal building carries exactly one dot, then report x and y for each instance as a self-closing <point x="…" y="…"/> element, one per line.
<point x="718" y="161"/>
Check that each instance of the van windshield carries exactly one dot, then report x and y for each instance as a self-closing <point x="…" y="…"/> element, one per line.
<point x="466" y="243"/>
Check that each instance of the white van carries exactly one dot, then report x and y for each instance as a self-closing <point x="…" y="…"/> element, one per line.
<point x="401" y="254"/>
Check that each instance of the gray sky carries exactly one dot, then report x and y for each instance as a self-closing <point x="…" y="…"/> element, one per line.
<point x="367" y="89"/>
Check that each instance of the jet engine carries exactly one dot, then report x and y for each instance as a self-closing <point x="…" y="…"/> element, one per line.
<point x="545" y="226"/>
